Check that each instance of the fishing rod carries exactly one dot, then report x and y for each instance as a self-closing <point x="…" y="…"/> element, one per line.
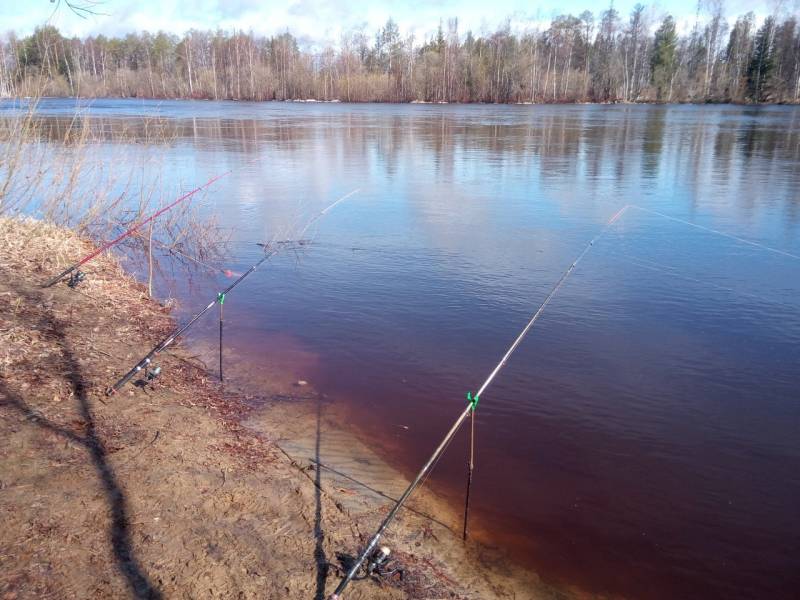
<point x="78" y="276"/>
<point x="379" y="556"/>
<point x="269" y="251"/>
<point x="161" y="346"/>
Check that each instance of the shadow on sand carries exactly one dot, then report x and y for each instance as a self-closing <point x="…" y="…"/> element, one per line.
<point x="319" y="534"/>
<point x="120" y="535"/>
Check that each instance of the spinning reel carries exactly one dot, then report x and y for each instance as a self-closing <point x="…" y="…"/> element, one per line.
<point x="151" y="373"/>
<point x="378" y="566"/>
<point x="76" y="278"/>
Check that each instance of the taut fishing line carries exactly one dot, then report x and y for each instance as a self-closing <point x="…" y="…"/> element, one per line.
<point x="671" y="271"/>
<point x="369" y="552"/>
<point x="73" y="269"/>
<point x="715" y="231"/>
<point x="132" y="230"/>
<point x="374" y="556"/>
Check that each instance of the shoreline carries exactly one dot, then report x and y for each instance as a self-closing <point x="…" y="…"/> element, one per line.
<point x="409" y="102"/>
<point x="186" y="487"/>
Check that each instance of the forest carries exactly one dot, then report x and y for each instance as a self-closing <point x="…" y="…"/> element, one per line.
<point x="610" y="57"/>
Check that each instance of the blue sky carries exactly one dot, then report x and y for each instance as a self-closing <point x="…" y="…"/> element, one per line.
<point x="321" y="22"/>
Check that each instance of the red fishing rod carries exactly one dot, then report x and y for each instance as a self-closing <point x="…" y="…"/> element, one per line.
<point x="78" y="276"/>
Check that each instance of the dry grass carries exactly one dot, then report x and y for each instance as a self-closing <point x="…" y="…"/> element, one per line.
<point x="177" y="463"/>
<point x="33" y="249"/>
<point x="37" y="246"/>
<point x="77" y="172"/>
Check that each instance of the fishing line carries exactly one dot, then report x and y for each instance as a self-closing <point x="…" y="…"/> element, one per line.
<point x="671" y="271"/>
<point x="269" y="251"/>
<point x="212" y="268"/>
<point x="172" y="250"/>
<point x="472" y="404"/>
<point x="132" y="230"/>
<point x="717" y="231"/>
<point x="138" y="226"/>
<point x="209" y="266"/>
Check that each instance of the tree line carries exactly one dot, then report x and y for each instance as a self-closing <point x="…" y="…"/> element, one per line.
<point x="608" y="58"/>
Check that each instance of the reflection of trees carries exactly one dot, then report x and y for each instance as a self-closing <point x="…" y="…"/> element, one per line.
<point x="454" y="144"/>
<point x="653" y="141"/>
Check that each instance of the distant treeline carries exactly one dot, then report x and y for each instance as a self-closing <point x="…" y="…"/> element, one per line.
<point x="575" y="59"/>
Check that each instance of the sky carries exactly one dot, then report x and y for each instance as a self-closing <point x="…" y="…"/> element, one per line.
<point x="317" y="23"/>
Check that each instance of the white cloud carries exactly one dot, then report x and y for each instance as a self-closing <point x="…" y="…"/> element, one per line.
<point x="323" y="21"/>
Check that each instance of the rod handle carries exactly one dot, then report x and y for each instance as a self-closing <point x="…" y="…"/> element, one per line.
<point x="60" y="276"/>
<point x="127" y="377"/>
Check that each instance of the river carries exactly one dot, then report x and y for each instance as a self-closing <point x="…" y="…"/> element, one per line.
<point x="645" y="438"/>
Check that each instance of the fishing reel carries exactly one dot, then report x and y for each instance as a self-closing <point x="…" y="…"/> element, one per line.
<point x="76" y="278"/>
<point x="151" y="374"/>
<point x="378" y="565"/>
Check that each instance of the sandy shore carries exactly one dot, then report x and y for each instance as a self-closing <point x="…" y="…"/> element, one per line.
<point x="185" y="489"/>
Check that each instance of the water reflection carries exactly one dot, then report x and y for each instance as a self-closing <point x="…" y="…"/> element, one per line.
<point x="648" y="428"/>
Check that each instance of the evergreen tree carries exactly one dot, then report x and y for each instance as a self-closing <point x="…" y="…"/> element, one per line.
<point x="572" y="59"/>
<point x="663" y="62"/>
<point x="762" y="64"/>
<point x="737" y="57"/>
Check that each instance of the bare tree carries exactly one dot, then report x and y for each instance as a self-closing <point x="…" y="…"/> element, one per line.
<point x="571" y="59"/>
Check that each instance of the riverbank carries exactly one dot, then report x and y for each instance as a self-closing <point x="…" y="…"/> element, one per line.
<point x="617" y="102"/>
<point x="167" y="491"/>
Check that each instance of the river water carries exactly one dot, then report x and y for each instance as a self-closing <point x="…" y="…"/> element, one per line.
<point x="645" y="438"/>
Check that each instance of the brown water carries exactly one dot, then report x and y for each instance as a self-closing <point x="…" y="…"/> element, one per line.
<point x="645" y="439"/>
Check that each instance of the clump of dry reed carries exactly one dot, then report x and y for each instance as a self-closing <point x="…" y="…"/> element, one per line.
<point x="32" y="249"/>
<point x="75" y="172"/>
<point x="37" y="246"/>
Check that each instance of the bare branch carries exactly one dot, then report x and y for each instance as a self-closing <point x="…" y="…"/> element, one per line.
<point x="82" y="8"/>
